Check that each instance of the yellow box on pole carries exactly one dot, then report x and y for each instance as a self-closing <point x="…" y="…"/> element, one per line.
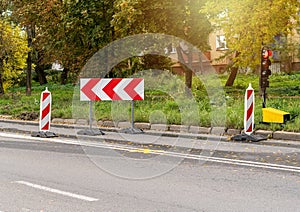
<point x="271" y="115"/>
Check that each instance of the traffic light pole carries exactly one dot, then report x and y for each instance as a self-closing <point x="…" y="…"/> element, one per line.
<point x="265" y="72"/>
<point x="263" y="90"/>
<point x="264" y="96"/>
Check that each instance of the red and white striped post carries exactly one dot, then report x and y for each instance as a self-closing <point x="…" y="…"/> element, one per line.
<point x="45" y="111"/>
<point x="249" y="111"/>
<point x="249" y="119"/>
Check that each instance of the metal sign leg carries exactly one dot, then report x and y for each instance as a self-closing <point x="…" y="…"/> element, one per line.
<point x="132" y="129"/>
<point x="90" y="131"/>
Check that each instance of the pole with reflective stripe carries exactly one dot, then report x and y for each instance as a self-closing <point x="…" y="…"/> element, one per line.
<point x="249" y="111"/>
<point x="45" y="110"/>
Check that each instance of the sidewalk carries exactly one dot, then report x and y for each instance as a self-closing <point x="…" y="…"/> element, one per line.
<point x="150" y="137"/>
<point x="169" y="130"/>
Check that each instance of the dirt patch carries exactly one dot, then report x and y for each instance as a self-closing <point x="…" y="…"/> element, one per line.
<point x="28" y="116"/>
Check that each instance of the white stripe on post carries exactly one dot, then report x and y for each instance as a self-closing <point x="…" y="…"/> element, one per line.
<point x="45" y="110"/>
<point x="249" y="111"/>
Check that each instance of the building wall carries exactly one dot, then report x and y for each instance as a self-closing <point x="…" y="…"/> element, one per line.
<point x="218" y="48"/>
<point x="295" y="39"/>
<point x="220" y="65"/>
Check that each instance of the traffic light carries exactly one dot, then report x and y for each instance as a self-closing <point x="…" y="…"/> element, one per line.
<point x="265" y="68"/>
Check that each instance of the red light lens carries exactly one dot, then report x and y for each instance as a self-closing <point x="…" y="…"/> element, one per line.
<point x="266" y="54"/>
<point x="270" y="53"/>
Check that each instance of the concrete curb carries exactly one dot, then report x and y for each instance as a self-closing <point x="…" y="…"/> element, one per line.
<point x="281" y="135"/>
<point x="161" y="129"/>
<point x="219" y="131"/>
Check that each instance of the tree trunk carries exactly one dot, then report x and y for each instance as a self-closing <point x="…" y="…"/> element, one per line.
<point x="233" y="73"/>
<point x="232" y="76"/>
<point x="1" y="85"/>
<point x="64" y="76"/>
<point x="41" y="75"/>
<point x="39" y="69"/>
<point x="28" y="76"/>
<point x="29" y="62"/>
<point x="1" y="81"/>
<point x="188" y="72"/>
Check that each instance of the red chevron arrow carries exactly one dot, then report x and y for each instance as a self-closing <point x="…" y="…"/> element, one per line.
<point x="87" y="89"/>
<point x="129" y="89"/>
<point x="109" y="89"/>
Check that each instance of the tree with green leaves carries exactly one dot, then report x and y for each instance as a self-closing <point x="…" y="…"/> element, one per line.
<point x="67" y="31"/>
<point x="180" y="18"/>
<point x="13" y="48"/>
<point x="250" y="25"/>
<point x="72" y="31"/>
<point x="13" y="53"/>
<point x="38" y="18"/>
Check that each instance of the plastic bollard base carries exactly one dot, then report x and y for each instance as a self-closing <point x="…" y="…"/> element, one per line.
<point x="90" y="132"/>
<point x="132" y="131"/>
<point x="44" y="134"/>
<point x="249" y="138"/>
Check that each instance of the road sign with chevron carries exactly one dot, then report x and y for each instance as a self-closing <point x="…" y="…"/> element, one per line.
<point x="107" y="89"/>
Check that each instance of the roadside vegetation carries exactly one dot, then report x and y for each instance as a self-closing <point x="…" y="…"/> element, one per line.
<point x="160" y="107"/>
<point x="35" y="35"/>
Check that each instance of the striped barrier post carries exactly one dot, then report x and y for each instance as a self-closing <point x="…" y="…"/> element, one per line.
<point x="45" y="116"/>
<point x="248" y="134"/>
<point x="249" y="111"/>
<point x="45" y="110"/>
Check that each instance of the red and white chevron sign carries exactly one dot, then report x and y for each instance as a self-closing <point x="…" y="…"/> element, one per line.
<point x="101" y="89"/>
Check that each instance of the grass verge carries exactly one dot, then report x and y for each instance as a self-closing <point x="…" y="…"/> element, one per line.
<point x="161" y="107"/>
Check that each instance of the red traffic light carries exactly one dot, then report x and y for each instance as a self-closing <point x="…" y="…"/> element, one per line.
<point x="266" y="54"/>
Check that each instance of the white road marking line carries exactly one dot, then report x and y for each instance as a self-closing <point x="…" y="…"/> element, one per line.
<point x="196" y="157"/>
<point x="64" y="193"/>
<point x="244" y="163"/>
<point x="166" y="153"/>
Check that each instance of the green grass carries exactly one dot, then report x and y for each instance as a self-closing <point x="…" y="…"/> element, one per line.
<point x="166" y="102"/>
<point x="283" y="94"/>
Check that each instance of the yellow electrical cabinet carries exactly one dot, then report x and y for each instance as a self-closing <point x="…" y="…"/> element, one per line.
<point x="271" y="115"/>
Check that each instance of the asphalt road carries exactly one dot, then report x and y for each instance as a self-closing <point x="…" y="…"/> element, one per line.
<point x="56" y="175"/>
